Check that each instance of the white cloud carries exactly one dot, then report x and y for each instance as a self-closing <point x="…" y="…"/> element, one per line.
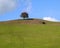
<point x="7" y="5"/>
<point x="27" y="5"/>
<point x="50" y="19"/>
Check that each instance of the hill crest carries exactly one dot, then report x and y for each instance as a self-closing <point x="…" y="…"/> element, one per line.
<point x="32" y="21"/>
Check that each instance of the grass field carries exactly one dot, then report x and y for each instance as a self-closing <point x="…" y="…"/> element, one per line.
<point x="29" y="35"/>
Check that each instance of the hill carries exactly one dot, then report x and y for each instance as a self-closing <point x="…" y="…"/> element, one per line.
<point x="28" y="21"/>
<point x="29" y="34"/>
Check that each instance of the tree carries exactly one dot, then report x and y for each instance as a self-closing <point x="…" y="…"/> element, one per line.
<point x="24" y="15"/>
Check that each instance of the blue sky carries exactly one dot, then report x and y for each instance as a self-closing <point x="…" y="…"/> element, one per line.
<point x="42" y="9"/>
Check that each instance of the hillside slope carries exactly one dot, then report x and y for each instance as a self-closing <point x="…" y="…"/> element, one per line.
<point x="32" y="21"/>
<point x="29" y="34"/>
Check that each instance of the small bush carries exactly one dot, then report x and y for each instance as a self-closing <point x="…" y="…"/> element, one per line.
<point x="43" y="23"/>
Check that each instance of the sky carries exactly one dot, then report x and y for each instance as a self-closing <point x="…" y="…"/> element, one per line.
<point x="40" y="9"/>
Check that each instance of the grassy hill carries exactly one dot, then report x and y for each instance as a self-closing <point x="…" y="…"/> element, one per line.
<point x="29" y="34"/>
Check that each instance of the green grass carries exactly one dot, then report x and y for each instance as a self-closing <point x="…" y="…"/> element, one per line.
<point x="29" y="36"/>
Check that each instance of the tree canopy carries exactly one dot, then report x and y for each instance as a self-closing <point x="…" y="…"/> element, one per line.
<point x="24" y="15"/>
